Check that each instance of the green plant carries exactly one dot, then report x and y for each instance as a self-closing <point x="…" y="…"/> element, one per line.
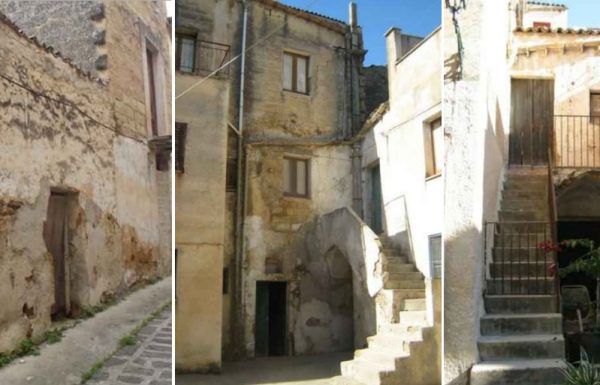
<point x="26" y="346"/>
<point x="93" y="370"/>
<point x="584" y="374"/>
<point x="128" y="340"/>
<point x="53" y="336"/>
<point x="588" y="264"/>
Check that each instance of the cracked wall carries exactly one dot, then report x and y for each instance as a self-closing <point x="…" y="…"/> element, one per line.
<point x="60" y="133"/>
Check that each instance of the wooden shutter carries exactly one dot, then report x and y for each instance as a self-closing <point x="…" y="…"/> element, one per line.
<point x="595" y="104"/>
<point x="180" y="137"/>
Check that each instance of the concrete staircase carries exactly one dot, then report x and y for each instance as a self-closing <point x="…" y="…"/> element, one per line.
<point x="521" y="335"/>
<point x="401" y="349"/>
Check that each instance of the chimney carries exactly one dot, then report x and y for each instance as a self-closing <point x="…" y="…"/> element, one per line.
<point x="352" y="16"/>
<point x="393" y="45"/>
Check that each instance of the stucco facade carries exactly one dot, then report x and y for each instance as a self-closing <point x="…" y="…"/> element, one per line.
<point x="500" y="45"/>
<point x="67" y="140"/>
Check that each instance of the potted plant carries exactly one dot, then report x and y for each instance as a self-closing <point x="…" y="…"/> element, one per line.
<point x="588" y="264"/>
<point x="584" y="374"/>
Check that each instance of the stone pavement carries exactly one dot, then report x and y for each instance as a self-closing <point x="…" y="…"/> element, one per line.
<point x="89" y="342"/>
<point x="148" y="362"/>
<point x="323" y="369"/>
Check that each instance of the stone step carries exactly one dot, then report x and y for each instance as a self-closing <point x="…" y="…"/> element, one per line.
<point x="404" y="276"/>
<point x="389" y="339"/>
<point x="413" y="284"/>
<point x="379" y="343"/>
<point x="520" y="304"/>
<point x="518" y="324"/>
<point x="523" y="227"/>
<point x="412" y="332"/>
<point x="385" y="356"/>
<point x="502" y="348"/>
<point x="536" y="194"/>
<point x="413" y="317"/>
<point x="517" y="268"/>
<point x="524" y="372"/>
<point x="537" y="205"/>
<point x="400" y="295"/>
<point x="526" y="184"/>
<point x="399" y="267"/>
<point x="523" y="215"/>
<point x="392" y="253"/>
<point x="523" y="254"/>
<point x="519" y="240"/>
<point x="522" y="285"/>
<point x="414" y="304"/>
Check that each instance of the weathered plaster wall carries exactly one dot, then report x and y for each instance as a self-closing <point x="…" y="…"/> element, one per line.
<point x="60" y="133"/>
<point x="200" y="224"/>
<point x="476" y="131"/>
<point x="273" y="219"/>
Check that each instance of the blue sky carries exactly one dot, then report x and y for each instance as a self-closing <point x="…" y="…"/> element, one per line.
<point x="415" y="17"/>
<point x="583" y="13"/>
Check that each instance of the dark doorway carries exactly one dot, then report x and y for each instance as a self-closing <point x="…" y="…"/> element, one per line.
<point x="532" y="116"/>
<point x="271" y="319"/>
<point x="376" y="201"/>
<point x="56" y="238"/>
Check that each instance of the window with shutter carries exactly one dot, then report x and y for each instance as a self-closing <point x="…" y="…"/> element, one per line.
<point x="296" y="177"/>
<point x="185" y="53"/>
<point x="180" y="137"/>
<point x="295" y="72"/>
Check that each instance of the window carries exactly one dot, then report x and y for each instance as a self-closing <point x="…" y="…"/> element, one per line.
<point x="150" y="60"/>
<point x="540" y="24"/>
<point x="435" y="255"/>
<point x="296" y="177"/>
<point x="180" y="137"/>
<point x="185" y="53"/>
<point x="595" y="104"/>
<point x="295" y="73"/>
<point x="434" y="138"/>
<point x="226" y="280"/>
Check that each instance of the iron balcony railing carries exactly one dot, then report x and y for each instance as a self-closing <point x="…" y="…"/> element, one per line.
<point x="201" y="57"/>
<point x="519" y="258"/>
<point x="576" y="141"/>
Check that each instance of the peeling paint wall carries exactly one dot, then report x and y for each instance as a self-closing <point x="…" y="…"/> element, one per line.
<point x="60" y="134"/>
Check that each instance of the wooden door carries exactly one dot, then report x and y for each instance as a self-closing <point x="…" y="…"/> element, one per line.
<point x="532" y="112"/>
<point x="55" y="236"/>
<point x="271" y="319"/>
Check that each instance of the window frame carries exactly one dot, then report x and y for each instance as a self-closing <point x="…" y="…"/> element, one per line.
<point x="294" y="160"/>
<point x="431" y="165"/>
<point x="295" y="56"/>
<point x="178" y="49"/>
<point x="441" y="257"/>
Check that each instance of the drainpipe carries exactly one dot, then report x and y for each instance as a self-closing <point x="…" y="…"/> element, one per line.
<point x="237" y="313"/>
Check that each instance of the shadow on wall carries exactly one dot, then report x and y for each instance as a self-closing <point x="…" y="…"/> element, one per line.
<point x="338" y="252"/>
<point x="463" y="267"/>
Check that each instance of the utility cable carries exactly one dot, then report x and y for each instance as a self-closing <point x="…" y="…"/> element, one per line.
<point x="309" y="5"/>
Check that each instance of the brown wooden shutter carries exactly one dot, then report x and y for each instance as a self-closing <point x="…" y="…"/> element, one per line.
<point x="595" y="104"/>
<point x="180" y="137"/>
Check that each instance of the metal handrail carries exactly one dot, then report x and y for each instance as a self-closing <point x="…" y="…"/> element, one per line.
<point x="553" y="213"/>
<point x="576" y="141"/>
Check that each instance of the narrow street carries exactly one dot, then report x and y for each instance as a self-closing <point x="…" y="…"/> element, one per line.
<point x="95" y="339"/>
<point x="305" y="370"/>
<point x="147" y="362"/>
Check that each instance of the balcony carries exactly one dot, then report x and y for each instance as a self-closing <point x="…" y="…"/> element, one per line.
<point x="201" y="57"/>
<point x="576" y="141"/>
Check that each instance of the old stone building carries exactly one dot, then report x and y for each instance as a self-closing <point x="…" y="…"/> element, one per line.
<point x="520" y="125"/>
<point x="85" y="116"/>
<point x="289" y="242"/>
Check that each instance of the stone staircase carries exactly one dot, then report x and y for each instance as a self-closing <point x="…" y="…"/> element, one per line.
<point x="392" y="354"/>
<point x="521" y="333"/>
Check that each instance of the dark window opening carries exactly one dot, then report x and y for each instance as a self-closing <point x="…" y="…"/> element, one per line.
<point x="180" y="138"/>
<point x="150" y="57"/>
<point x="226" y="280"/>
